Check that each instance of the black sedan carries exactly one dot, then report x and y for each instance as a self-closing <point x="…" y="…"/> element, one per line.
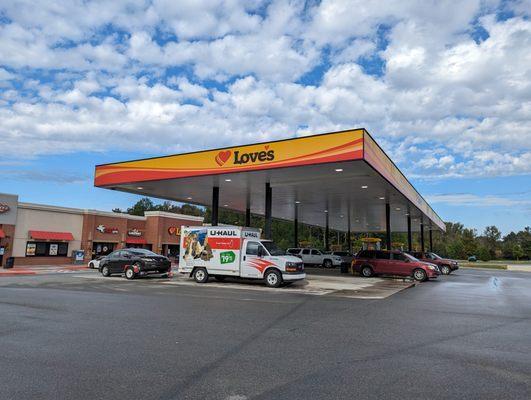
<point x="133" y="263"/>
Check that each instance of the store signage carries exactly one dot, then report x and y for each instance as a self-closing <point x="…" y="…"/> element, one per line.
<point x="174" y="231"/>
<point x="4" y="208"/>
<point x="134" y="232"/>
<point x="104" y="229"/>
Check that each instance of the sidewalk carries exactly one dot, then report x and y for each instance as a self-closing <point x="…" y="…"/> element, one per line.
<point x="41" y="269"/>
<point x="519" y="267"/>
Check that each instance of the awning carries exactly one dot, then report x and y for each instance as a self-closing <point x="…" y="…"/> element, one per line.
<point x="2" y="234"/>
<point x="45" y="235"/>
<point x="136" y="241"/>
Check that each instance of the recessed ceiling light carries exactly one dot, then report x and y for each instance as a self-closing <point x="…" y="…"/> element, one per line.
<point x="364" y="187"/>
<point x="357" y="220"/>
<point x="188" y="198"/>
<point x="225" y="205"/>
<point x="325" y="211"/>
<point x="397" y="209"/>
<point x="140" y="187"/>
<point x="228" y="180"/>
<point x="407" y="214"/>
<point x="339" y="169"/>
<point x="381" y="198"/>
<point x="341" y="216"/>
<point x="297" y="202"/>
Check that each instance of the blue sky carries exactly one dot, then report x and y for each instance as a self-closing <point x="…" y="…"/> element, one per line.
<point x="95" y="82"/>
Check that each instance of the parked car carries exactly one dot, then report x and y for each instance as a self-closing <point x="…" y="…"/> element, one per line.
<point x="380" y="262"/>
<point x="445" y="265"/>
<point x="95" y="264"/>
<point x="316" y="257"/>
<point x="134" y="263"/>
<point x="472" y="259"/>
<point x="346" y="257"/>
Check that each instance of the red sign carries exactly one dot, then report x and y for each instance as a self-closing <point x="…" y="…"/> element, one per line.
<point x="4" y="208"/>
<point x="174" y="231"/>
<point x="224" y="243"/>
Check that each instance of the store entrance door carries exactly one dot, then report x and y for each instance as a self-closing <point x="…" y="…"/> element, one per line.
<point x="100" y="249"/>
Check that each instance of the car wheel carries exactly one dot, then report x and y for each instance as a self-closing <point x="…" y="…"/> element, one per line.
<point x="367" y="271"/>
<point x="445" y="270"/>
<point x="90" y="265"/>
<point x="105" y="271"/>
<point x="130" y="273"/>
<point x="220" y="278"/>
<point x="420" y="275"/>
<point x="273" y="278"/>
<point x="201" y="275"/>
<point x="327" y="264"/>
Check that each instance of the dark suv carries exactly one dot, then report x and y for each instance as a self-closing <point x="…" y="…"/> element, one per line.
<point x="445" y="265"/>
<point x="133" y="263"/>
<point x="380" y="262"/>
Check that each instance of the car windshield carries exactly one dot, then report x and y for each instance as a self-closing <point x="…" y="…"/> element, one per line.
<point x="410" y="257"/>
<point x="436" y="256"/>
<point x="273" y="249"/>
<point x="141" y="252"/>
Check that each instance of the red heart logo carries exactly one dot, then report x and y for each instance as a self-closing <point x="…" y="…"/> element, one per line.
<point x="222" y="157"/>
<point x="172" y="230"/>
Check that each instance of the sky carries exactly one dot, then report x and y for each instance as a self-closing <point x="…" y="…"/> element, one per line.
<point x="443" y="86"/>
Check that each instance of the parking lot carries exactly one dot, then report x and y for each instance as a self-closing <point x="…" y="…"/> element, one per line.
<point x="75" y="336"/>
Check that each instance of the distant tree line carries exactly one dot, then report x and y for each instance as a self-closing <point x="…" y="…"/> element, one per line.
<point x="457" y="242"/>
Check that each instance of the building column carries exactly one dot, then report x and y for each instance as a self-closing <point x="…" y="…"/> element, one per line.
<point x="327" y="233"/>
<point x="409" y="238"/>
<point x="215" y="205"/>
<point x="431" y="240"/>
<point x="296" y="227"/>
<point x="422" y="237"/>
<point x="268" y="210"/>
<point x="388" y="226"/>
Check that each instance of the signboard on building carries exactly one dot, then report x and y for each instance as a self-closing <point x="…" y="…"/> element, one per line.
<point x="8" y="209"/>
<point x="134" y="232"/>
<point x="104" y="229"/>
<point x="174" y="231"/>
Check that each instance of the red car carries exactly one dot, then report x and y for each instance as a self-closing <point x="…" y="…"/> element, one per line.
<point x="445" y="265"/>
<point x="379" y="262"/>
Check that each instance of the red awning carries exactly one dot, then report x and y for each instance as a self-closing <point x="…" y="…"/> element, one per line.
<point x="2" y="234"/>
<point x="135" y="241"/>
<point x="44" y="235"/>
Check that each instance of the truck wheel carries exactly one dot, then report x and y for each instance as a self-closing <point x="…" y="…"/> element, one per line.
<point x="130" y="273"/>
<point x="105" y="271"/>
<point x="445" y="270"/>
<point x="273" y="278"/>
<point x="327" y="264"/>
<point x="201" y="275"/>
<point x="420" y="275"/>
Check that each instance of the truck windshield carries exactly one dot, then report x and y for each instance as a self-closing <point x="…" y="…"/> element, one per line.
<point x="273" y="249"/>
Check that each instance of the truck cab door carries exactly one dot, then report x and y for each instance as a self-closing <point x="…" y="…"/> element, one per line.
<point x="251" y="261"/>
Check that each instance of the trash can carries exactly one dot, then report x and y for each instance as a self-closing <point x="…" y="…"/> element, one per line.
<point x="344" y="268"/>
<point x="10" y="262"/>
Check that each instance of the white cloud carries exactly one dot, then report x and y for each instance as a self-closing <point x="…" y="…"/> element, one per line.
<point x="96" y="75"/>
<point x="472" y="200"/>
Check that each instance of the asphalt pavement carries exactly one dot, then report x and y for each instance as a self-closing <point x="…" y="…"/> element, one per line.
<point x="63" y="336"/>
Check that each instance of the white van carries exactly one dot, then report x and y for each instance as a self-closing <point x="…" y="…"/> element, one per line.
<point x="222" y="251"/>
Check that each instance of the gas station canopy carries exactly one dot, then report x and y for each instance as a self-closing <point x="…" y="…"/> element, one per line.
<point x="341" y="177"/>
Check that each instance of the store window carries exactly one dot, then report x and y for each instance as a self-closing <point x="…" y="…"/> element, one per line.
<point x="46" y="249"/>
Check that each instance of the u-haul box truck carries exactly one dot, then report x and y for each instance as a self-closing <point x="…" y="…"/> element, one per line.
<point x="222" y="251"/>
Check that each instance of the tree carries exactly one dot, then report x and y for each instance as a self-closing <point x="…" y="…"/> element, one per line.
<point x="142" y="205"/>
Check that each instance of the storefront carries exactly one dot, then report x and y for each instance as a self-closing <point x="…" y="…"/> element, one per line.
<point x="37" y="234"/>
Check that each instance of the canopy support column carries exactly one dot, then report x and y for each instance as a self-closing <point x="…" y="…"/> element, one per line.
<point x="349" y="240"/>
<point x="248" y="216"/>
<point x="215" y="205"/>
<point x="409" y="238"/>
<point x="422" y="237"/>
<point x="431" y="239"/>
<point x="268" y="210"/>
<point x="388" y="226"/>
<point x="327" y="234"/>
<point x="296" y="227"/>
